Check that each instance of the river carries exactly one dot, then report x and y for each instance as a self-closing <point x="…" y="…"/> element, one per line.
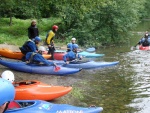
<point x="123" y="88"/>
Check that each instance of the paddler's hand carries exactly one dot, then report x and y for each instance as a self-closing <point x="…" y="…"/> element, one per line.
<point x="67" y="62"/>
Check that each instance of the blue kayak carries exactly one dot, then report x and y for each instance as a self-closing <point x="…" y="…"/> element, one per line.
<point x="39" y="69"/>
<point x="91" y="49"/>
<point x="84" y="54"/>
<point x="39" y="106"/>
<point x="90" y="55"/>
<point x="90" y="64"/>
<point x="86" y="64"/>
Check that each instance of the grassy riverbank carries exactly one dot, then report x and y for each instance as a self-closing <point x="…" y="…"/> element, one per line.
<point x="17" y="33"/>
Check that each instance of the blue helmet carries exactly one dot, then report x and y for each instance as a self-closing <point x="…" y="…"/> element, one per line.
<point x="37" y="38"/>
<point x="7" y="91"/>
<point x="69" y="46"/>
<point x="75" y="46"/>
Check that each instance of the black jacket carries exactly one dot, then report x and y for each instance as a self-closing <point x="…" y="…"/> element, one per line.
<point x="33" y="32"/>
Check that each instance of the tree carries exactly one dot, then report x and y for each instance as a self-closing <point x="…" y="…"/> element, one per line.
<point x="100" y="21"/>
<point x="7" y="9"/>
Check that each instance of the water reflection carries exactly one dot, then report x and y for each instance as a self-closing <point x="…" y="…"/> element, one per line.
<point x="141" y="66"/>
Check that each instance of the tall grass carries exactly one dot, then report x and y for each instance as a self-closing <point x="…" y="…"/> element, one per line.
<point x="17" y="33"/>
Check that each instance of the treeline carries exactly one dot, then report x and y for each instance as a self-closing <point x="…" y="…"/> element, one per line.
<point x="92" y="22"/>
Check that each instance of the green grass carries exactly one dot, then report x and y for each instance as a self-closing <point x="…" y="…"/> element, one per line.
<point x="17" y="33"/>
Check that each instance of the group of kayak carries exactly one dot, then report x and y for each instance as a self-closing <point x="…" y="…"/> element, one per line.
<point x="31" y="95"/>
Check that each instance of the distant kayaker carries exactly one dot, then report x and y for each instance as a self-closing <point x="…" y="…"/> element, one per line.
<point x="30" y="45"/>
<point x="37" y="58"/>
<point x="33" y="30"/>
<point x="145" y="41"/>
<point x="7" y="94"/>
<point x="50" y="42"/>
<point x="72" y="54"/>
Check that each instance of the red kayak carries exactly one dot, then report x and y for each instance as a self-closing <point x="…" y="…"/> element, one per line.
<point x="57" y="55"/>
<point x="32" y="90"/>
<point x="144" y="47"/>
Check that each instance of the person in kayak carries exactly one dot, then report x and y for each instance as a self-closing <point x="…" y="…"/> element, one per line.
<point x="49" y="41"/>
<point x="72" y="54"/>
<point x="145" y="41"/>
<point x="30" y="45"/>
<point x="9" y="76"/>
<point x="33" y="30"/>
<point x="72" y="44"/>
<point x="7" y="92"/>
<point x="37" y="58"/>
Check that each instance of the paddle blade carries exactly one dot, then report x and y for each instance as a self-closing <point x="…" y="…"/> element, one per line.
<point x="57" y="68"/>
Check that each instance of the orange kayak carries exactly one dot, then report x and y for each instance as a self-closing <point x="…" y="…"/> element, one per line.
<point x="36" y="90"/>
<point x="16" y="55"/>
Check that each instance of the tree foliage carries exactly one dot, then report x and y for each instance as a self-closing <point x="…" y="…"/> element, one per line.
<point x="92" y="22"/>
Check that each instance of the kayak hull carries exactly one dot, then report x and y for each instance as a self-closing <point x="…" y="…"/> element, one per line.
<point x="38" y="106"/>
<point x="91" y="64"/>
<point x="83" y="53"/>
<point x="87" y="64"/>
<point x="16" y="55"/>
<point x="91" y="49"/>
<point x="38" y="69"/>
<point x="36" y="90"/>
<point x="144" y="48"/>
<point x="90" y="55"/>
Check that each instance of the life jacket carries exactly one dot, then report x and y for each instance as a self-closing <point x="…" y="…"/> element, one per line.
<point x="25" y="48"/>
<point x="145" y="42"/>
<point x="51" y="40"/>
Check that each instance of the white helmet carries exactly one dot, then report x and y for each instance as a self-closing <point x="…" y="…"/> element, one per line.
<point x="8" y="75"/>
<point x="41" y="48"/>
<point x="73" y="39"/>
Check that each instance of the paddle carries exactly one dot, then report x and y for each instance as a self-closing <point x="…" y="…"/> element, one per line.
<point x="135" y="47"/>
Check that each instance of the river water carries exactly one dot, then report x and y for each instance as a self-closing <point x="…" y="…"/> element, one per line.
<point x="123" y="88"/>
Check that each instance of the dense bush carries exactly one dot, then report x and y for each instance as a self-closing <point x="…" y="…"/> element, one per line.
<point x="92" y="22"/>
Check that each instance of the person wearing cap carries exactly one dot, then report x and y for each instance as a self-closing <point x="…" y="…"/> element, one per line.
<point x="71" y="45"/>
<point x="30" y="45"/>
<point x="33" y="30"/>
<point x="7" y="94"/>
<point x="72" y="55"/>
<point x="49" y="41"/>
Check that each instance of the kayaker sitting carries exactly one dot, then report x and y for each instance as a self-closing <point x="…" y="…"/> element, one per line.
<point x="9" y="76"/>
<point x="72" y="55"/>
<point x="72" y="44"/>
<point x="7" y="92"/>
<point x="30" y="45"/>
<point x="145" y="41"/>
<point x="37" y="58"/>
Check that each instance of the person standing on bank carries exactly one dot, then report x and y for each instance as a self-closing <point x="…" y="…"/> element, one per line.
<point x="49" y="41"/>
<point x="33" y="30"/>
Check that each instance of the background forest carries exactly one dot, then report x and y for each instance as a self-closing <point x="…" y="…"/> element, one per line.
<point x="93" y="22"/>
